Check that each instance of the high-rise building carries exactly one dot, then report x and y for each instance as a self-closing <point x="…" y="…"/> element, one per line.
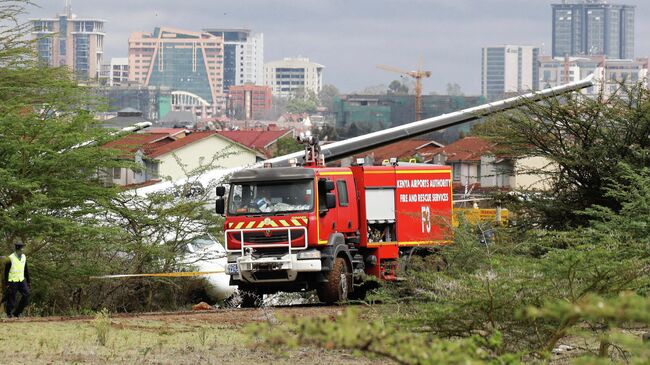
<point x="593" y="27"/>
<point x="243" y="56"/>
<point x="66" y="40"/>
<point x="189" y="63"/>
<point x="508" y="69"/>
<point x="290" y="74"/>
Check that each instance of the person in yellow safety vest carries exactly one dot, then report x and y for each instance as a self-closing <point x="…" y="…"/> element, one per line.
<point x="17" y="280"/>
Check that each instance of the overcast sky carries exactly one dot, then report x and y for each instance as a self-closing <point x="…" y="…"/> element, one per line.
<point x="350" y="37"/>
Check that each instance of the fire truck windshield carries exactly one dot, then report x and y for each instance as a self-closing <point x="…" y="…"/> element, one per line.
<point x="271" y="197"/>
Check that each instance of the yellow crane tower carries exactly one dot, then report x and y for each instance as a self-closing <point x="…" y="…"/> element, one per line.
<point x="418" y="75"/>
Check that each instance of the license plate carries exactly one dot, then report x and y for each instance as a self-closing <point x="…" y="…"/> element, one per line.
<point x="232" y="269"/>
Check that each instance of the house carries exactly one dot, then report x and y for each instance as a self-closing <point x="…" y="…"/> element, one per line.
<point x="263" y="141"/>
<point x="478" y="164"/>
<point x="159" y="152"/>
<point x="124" y="118"/>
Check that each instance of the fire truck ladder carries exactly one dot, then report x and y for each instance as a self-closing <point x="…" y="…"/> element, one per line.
<point x="338" y="150"/>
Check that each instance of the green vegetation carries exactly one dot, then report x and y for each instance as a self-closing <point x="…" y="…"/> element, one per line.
<point x="102" y="324"/>
<point x="286" y="145"/>
<point x="574" y="273"/>
<point x="397" y="87"/>
<point x="303" y="101"/>
<point x="583" y="139"/>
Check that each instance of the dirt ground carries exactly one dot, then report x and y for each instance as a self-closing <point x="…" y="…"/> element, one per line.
<point x="210" y="337"/>
<point x="233" y="316"/>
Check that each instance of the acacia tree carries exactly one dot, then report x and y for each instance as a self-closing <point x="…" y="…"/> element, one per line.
<point x="582" y="139"/>
<point x="52" y="195"/>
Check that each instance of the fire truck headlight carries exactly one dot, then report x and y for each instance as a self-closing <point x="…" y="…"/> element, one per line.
<point x="309" y="255"/>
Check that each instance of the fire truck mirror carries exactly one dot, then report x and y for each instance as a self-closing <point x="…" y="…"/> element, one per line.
<point x="330" y="200"/>
<point x="220" y="206"/>
<point x="221" y="190"/>
<point x="325" y="185"/>
<point x="329" y="185"/>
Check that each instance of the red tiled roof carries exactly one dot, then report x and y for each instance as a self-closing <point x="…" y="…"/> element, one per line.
<point x="401" y="150"/>
<point x="154" y="144"/>
<point x="466" y="149"/>
<point x="135" y="141"/>
<point x="159" y="149"/>
<point x="254" y="139"/>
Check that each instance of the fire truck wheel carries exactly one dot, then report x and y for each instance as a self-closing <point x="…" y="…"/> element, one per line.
<point x="338" y="283"/>
<point x="250" y="298"/>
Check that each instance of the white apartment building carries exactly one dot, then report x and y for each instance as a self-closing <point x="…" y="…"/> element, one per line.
<point x="609" y="73"/>
<point x="290" y="74"/>
<point x="508" y="69"/>
<point x="116" y="73"/>
<point x="252" y="69"/>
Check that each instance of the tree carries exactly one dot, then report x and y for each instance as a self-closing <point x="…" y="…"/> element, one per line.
<point x="326" y="132"/>
<point x="397" y="87"/>
<point x="454" y="89"/>
<point x="583" y="139"/>
<point x="380" y="89"/>
<point x="303" y="101"/>
<point x="286" y="145"/>
<point x="278" y="108"/>
<point x="327" y="95"/>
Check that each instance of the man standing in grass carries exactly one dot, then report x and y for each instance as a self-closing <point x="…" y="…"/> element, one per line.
<point x="16" y="279"/>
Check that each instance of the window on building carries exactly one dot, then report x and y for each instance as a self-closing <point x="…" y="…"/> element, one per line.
<point x="456" y="171"/>
<point x="117" y="173"/>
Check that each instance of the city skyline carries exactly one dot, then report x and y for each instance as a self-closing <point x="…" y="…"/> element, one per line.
<point x="351" y="38"/>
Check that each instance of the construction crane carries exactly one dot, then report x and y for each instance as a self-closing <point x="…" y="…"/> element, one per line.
<point x="418" y="75"/>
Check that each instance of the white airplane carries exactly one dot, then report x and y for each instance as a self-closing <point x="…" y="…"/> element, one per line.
<point x="208" y="255"/>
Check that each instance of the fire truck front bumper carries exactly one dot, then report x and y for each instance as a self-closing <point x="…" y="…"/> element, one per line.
<point x="252" y="269"/>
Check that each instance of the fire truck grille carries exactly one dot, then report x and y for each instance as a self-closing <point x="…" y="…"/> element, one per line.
<point x="275" y="236"/>
<point x="270" y="252"/>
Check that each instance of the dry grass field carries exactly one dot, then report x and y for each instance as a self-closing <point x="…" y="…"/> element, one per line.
<point x="216" y="337"/>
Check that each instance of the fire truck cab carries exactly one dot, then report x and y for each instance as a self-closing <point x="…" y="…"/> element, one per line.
<point x="327" y="228"/>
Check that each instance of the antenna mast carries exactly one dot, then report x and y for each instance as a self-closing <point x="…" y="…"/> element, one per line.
<point x="68" y="8"/>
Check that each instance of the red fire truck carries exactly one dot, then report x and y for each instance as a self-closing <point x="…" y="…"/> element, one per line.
<point x="327" y="228"/>
<point x="297" y="228"/>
